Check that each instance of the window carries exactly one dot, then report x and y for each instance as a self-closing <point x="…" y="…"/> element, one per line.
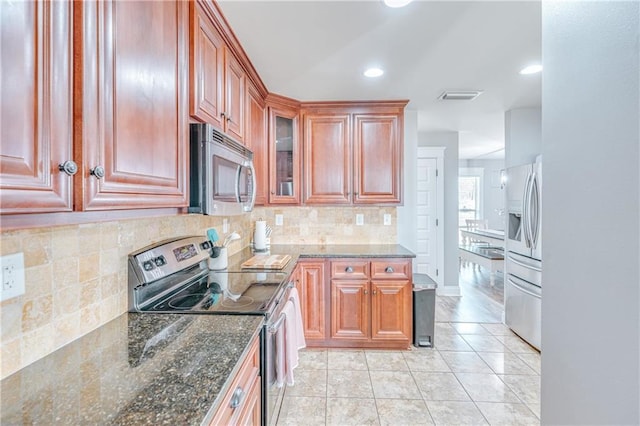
<point x="469" y="194"/>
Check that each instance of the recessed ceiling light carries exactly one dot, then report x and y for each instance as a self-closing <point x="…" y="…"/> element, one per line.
<point x="397" y="3"/>
<point x="531" y="69"/>
<point x="373" y="72"/>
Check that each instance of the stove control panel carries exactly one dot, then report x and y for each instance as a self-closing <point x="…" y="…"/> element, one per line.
<point x="168" y="257"/>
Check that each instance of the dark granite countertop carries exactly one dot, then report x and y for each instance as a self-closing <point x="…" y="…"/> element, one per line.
<point x="323" y="251"/>
<point x="135" y="370"/>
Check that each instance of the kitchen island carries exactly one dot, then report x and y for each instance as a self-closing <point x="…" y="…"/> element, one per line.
<point x="135" y="370"/>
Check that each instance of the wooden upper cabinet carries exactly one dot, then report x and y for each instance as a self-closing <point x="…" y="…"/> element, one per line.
<point x="133" y="120"/>
<point x="284" y="152"/>
<point x="235" y="93"/>
<point x="353" y="152"/>
<point x="378" y="158"/>
<point x="327" y="159"/>
<point x="256" y="141"/>
<point x="206" y="63"/>
<point x="36" y="115"/>
<point x="217" y="80"/>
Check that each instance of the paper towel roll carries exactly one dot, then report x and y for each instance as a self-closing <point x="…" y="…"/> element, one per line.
<point x="260" y="235"/>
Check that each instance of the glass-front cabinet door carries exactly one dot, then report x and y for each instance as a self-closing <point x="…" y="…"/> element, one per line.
<point x="284" y="157"/>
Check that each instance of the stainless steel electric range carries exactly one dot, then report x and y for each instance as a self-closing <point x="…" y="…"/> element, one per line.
<point x="172" y="276"/>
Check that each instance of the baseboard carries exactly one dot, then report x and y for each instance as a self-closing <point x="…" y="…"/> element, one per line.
<point x="448" y="290"/>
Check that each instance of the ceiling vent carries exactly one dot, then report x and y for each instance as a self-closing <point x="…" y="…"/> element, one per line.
<point x="461" y="95"/>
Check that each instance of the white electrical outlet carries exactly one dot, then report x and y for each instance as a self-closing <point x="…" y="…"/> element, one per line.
<point x="225" y="225"/>
<point x="359" y="219"/>
<point x="387" y="219"/>
<point x="279" y="220"/>
<point x="12" y="276"/>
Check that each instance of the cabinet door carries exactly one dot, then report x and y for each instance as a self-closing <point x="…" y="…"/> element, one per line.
<point x="378" y="159"/>
<point x="256" y="141"/>
<point x="391" y="310"/>
<point x="235" y="92"/>
<point x="134" y="115"/>
<point x="327" y="159"/>
<point x="350" y="310"/>
<point x="36" y="86"/>
<point x="311" y="289"/>
<point x="252" y="406"/>
<point x="284" y="157"/>
<point x="206" y="65"/>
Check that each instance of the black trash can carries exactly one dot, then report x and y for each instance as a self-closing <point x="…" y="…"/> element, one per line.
<point x="424" y="310"/>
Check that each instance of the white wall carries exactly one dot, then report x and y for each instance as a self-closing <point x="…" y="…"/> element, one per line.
<point x="449" y="140"/>
<point x="523" y="141"/>
<point x="492" y="194"/>
<point x="591" y="213"/>
<point x="407" y="221"/>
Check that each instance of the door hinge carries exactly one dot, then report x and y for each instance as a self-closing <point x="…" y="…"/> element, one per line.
<point x="436" y="272"/>
<point x="436" y="172"/>
<point x="436" y="222"/>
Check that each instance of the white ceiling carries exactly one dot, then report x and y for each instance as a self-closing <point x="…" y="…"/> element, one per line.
<point x="317" y="50"/>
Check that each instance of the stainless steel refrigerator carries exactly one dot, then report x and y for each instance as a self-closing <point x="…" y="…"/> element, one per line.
<point x="523" y="262"/>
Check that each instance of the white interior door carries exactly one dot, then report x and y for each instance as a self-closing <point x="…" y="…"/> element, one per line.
<point x="427" y="253"/>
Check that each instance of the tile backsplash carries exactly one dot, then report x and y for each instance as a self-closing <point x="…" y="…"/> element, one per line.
<point x="76" y="276"/>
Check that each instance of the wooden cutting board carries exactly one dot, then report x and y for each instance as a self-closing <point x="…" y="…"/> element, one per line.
<point x="267" y="261"/>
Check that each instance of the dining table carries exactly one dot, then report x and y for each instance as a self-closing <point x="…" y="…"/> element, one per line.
<point x="494" y="237"/>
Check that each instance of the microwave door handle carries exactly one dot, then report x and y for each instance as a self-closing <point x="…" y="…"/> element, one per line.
<point x="238" y="180"/>
<point x="254" y="182"/>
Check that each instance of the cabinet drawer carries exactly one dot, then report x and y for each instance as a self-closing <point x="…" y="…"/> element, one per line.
<point x="350" y="269"/>
<point x="391" y="269"/>
<point x="240" y="388"/>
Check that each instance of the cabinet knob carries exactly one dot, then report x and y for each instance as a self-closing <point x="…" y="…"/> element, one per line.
<point x="228" y="118"/>
<point x="98" y="172"/>
<point x="355" y="193"/>
<point x="222" y="114"/>
<point x="236" y="398"/>
<point x="69" y="167"/>
<point x="389" y="270"/>
<point x="375" y="292"/>
<point x="366" y="292"/>
<point x="273" y="192"/>
<point x="348" y="269"/>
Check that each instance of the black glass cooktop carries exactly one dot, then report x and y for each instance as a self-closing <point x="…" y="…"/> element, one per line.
<point x="224" y="292"/>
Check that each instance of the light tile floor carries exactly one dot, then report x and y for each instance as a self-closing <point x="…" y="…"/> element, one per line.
<point x="477" y="373"/>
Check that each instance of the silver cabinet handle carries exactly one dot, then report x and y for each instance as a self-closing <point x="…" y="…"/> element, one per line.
<point x="348" y="269"/>
<point x="98" y="172"/>
<point x="69" y="167"/>
<point x="389" y="270"/>
<point x="236" y="398"/>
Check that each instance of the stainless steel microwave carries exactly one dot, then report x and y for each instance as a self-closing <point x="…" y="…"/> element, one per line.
<point x="222" y="177"/>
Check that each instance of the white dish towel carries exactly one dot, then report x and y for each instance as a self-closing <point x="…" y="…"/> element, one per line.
<point x="290" y="339"/>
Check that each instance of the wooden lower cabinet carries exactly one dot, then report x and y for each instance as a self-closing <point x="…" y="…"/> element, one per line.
<point x="309" y="277"/>
<point x="371" y="312"/>
<point x="391" y="310"/>
<point x="241" y="405"/>
<point x="350" y="310"/>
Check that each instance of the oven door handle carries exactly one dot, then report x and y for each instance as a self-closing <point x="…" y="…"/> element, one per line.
<point x="273" y="328"/>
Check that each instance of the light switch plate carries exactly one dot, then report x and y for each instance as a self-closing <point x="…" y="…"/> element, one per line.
<point x="387" y="219"/>
<point x="359" y="219"/>
<point x="279" y="220"/>
<point x="12" y="276"/>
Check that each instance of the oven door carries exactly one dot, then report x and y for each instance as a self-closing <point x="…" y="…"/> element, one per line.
<point x="274" y="384"/>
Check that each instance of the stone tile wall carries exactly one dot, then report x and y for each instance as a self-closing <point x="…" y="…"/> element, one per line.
<point x="76" y="276"/>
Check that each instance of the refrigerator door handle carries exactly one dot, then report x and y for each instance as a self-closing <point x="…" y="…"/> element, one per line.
<point x="535" y="202"/>
<point x="525" y="211"/>
<point x="517" y="262"/>
<point x="522" y="289"/>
